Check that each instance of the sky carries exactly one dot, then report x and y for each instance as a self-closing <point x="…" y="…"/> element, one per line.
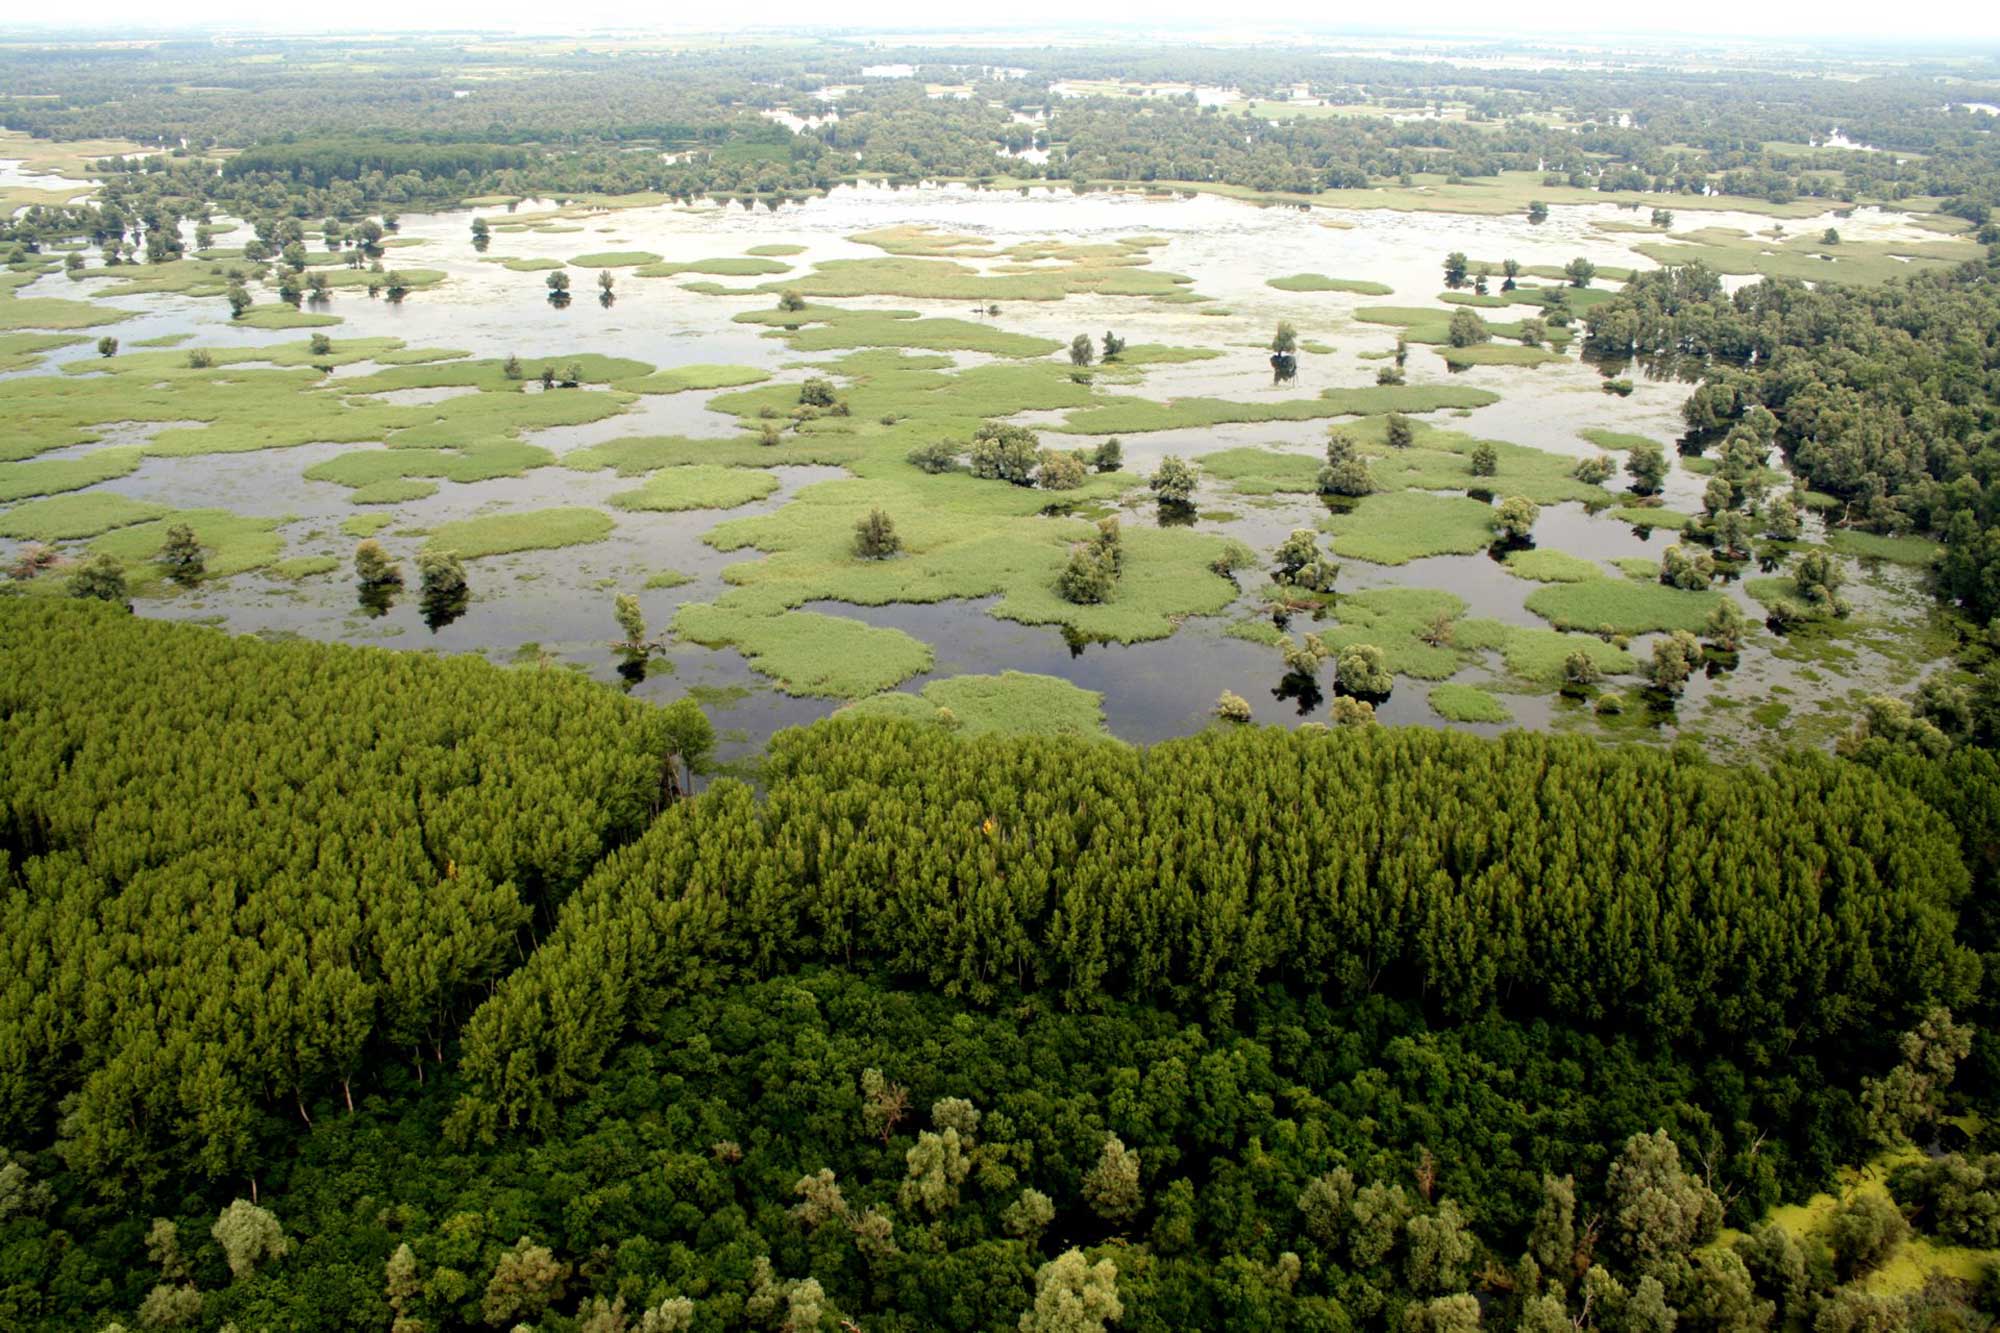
<point x="1962" y="26"/>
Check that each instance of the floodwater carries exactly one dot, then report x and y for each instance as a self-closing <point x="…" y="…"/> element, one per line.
<point x="555" y="607"/>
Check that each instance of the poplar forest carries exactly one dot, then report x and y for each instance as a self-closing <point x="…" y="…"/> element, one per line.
<point x="1060" y="680"/>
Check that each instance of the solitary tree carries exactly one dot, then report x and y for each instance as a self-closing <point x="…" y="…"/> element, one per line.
<point x="875" y="537"/>
<point x="1579" y="271"/>
<point x="791" y="301"/>
<point x="1110" y="455"/>
<point x="181" y="556"/>
<point x="1399" y="432"/>
<point x="1485" y="460"/>
<point x="482" y="235"/>
<point x="1081" y="350"/>
<point x="1114" y="346"/>
<point x="239" y="300"/>
<point x="107" y="347"/>
<point x="1467" y="329"/>
<point x="1285" y="341"/>
<point x="1455" y="266"/>
<point x="1538" y="212"/>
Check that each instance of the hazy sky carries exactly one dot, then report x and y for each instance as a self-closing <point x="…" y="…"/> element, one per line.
<point x="1962" y="23"/>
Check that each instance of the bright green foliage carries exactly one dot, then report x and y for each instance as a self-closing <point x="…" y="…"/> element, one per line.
<point x="1647" y="465"/>
<point x="1345" y="471"/>
<point x="500" y="792"/>
<point x="875" y="537"/>
<point x="1361" y="670"/>
<point x="1174" y="481"/>
<point x="1514" y="520"/>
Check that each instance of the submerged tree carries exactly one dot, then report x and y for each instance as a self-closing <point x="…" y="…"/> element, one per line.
<point x="1174" y="482"/>
<point x="1345" y="472"/>
<point x="442" y="590"/>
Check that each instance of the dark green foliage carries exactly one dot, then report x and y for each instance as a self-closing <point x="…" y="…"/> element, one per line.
<point x="181" y="556"/>
<point x="1882" y="396"/>
<point x="1758" y="862"/>
<point x="100" y="578"/>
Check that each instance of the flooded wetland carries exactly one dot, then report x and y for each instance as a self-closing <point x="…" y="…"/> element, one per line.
<point x="680" y="470"/>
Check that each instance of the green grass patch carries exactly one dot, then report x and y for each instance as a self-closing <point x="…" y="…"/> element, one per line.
<point x="392" y="491"/>
<point x="1538" y="655"/>
<point x="530" y="530"/>
<point x="667" y="578"/>
<point x="1013" y="703"/>
<point x="1627" y="606"/>
<point x="23" y="351"/>
<point x="1918" y="551"/>
<point x="1546" y="566"/>
<point x="366" y="525"/>
<point x="682" y="378"/>
<point x="727" y="266"/>
<point x="1466" y="703"/>
<point x="1497" y="354"/>
<point x="639" y="454"/>
<point x="1644" y="516"/>
<point x="807" y="652"/>
<point x="1254" y="470"/>
<point x="775" y="251"/>
<point x="1617" y="441"/>
<point x="616" y="259"/>
<point x="1319" y="282"/>
<point x="1135" y="416"/>
<point x="18" y="481"/>
<point x="704" y="486"/>
<point x="49" y="312"/>
<point x="528" y="265"/>
<point x="1399" y="527"/>
<point x="232" y="544"/>
<point x="302" y="567"/>
<point x="68" y="517"/>
<point x="278" y="316"/>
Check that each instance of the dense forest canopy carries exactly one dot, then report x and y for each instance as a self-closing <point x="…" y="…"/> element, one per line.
<point x="1289" y="1030"/>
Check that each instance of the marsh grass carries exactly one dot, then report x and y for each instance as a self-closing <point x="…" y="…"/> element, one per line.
<point x="76" y="515"/>
<point x="19" y="481"/>
<point x="1319" y="282"/>
<point x="1396" y="528"/>
<point x="1013" y="703"/>
<point x="702" y="486"/>
<point x="528" y="530"/>
<point x="1467" y="703"/>
<point x="1627" y="606"/>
